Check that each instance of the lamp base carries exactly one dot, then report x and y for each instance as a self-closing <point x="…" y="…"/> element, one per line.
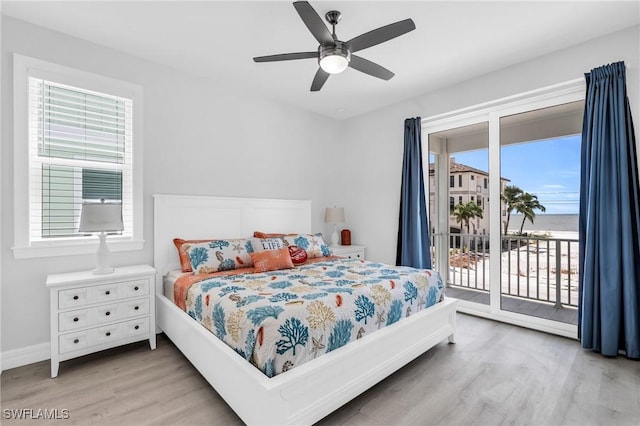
<point x="103" y="257"/>
<point x="334" y="237"/>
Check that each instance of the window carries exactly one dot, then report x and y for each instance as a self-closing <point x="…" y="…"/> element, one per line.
<point x="452" y="203"/>
<point x="459" y="180"/>
<point x="459" y="200"/>
<point x="472" y="198"/>
<point x="451" y="181"/>
<point x="473" y="177"/>
<point x="486" y="183"/>
<point x="75" y="133"/>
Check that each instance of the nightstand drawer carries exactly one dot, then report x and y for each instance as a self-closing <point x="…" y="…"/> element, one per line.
<point x="135" y="327"/>
<point x="354" y="255"/>
<point x="75" y="297"/>
<point x="107" y="333"/>
<point x="109" y="292"/>
<point x="74" y="341"/>
<point x="108" y="313"/>
<point x="135" y="288"/>
<point x="350" y="252"/>
<point x="132" y="308"/>
<point x="81" y="318"/>
<point x="73" y="320"/>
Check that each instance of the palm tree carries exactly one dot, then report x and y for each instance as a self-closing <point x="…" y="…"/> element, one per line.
<point x="527" y="203"/>
<point x="510" y="197"/>
<point x="466" y="212"/>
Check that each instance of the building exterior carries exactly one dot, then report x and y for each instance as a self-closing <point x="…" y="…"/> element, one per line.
<point x="466" y="184"/>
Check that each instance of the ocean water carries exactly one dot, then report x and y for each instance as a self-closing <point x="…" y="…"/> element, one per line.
<point x="546" y="222"/>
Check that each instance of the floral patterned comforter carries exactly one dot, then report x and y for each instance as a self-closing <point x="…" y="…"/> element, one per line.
<point x="280" y="319"/>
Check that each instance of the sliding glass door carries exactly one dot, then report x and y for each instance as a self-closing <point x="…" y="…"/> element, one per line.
<point x="503" y="183"/>
<point x="461" y="198"/>
<point x="540" y="155"/>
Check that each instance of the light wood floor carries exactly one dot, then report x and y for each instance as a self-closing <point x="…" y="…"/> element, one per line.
<point x="495" y="374"/>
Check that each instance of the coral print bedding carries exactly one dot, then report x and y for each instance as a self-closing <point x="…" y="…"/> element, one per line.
<point x="280" y="319"/>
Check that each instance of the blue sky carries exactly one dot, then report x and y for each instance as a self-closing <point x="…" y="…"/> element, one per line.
<point x="549" y="169"/>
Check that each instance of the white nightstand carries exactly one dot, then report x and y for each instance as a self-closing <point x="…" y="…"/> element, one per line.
<point x="90" y="313"/>
<point x="352" y="252"/>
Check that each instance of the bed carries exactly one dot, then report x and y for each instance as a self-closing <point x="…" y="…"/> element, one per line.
<point x="311" y="390"/>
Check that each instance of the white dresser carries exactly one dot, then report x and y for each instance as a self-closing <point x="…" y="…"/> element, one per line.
<point x="90" y="313"/>
<point x="352" y="252"/>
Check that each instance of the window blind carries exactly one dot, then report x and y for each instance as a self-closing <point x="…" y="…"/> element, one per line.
<point x="80" y="149"/>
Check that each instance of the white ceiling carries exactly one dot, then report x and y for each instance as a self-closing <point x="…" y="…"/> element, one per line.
<point x="454" y="41"/>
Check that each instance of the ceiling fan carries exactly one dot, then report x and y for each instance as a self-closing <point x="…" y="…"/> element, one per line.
<point x="333" y="55"/>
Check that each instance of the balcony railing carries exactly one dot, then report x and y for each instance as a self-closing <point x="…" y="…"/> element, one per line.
<point x="536" y="268"/>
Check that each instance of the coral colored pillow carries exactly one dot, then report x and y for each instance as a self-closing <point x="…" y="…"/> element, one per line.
<point x="272" y="260"/>
<point x="259" y="234"/>
<point x="185" y="263"/>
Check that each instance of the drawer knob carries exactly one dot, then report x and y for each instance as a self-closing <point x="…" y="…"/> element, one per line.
<point x="76" y="340"/>
<point x="107" y="313"/>
<point x="75" y="297"/>
<point x="136" y="288"/>
<point x="136" y="308"/>
<point x="108" y="333"/>
<point x="136" y="327"/>
<point x="107" y="292"/>
<point x="75" y="319"/>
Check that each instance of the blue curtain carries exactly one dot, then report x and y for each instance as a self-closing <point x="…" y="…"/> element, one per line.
<point x="413" y="227"/>
<point x="609" y="255"/>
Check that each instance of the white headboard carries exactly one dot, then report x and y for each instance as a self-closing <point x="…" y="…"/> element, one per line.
<point x="201" y="217"/>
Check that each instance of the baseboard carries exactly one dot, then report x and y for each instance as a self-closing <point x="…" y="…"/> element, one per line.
<point x="27" y="355"/>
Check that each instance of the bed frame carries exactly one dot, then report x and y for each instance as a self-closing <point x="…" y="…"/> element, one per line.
<point x="312" y="390"/>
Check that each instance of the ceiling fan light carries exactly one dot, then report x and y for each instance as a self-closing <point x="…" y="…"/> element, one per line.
<point x="334" y="64"/>
<point x="334" y="59"/>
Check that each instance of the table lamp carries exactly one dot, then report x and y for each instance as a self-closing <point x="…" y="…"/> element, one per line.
<point x="101" y="218"/>
<point x="334" y="215"/>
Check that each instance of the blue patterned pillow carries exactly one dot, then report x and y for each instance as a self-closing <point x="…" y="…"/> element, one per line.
<point x="313" y="244"/>
<point x="219" y="255"/>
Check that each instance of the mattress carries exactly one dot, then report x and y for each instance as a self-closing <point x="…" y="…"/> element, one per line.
<point x="280" y="319"/>
<point x="169" y="281"/>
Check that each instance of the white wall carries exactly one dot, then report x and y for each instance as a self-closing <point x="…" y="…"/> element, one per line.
<point x="373" y="143"/>
<point x="198" y="139"/>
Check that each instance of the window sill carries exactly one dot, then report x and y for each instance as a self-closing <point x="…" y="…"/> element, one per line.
<point x="71" y="249"/>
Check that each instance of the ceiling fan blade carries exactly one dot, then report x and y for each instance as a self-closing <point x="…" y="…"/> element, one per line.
<point x="313" y="21"/>
<point x="319" y="80"/>
<point x="380" y="35"/>
<point x="286" y="57"/>
<point x="371" y="68"/>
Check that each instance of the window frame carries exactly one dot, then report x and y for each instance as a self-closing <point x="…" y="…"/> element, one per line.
<point x="23" y="246"/>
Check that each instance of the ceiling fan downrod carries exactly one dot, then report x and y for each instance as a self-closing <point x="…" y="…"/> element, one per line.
<point x="333" y="17"/>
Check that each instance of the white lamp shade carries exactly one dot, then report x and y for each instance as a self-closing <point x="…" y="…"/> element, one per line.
<point x="334" y="64"/>
<point x="334" y="215"/>
<point x="101" y="217"/>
